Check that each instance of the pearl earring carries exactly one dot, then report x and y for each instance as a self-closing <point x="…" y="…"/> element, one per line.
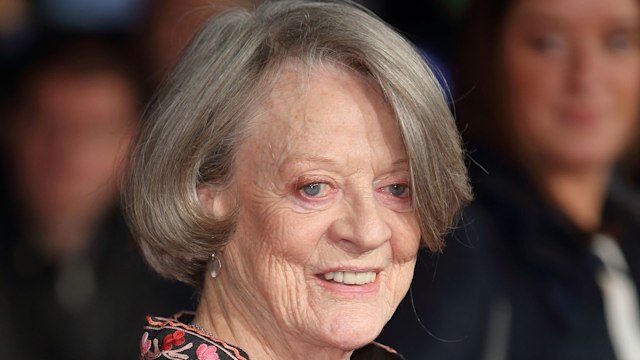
<point x="214" y="266"/>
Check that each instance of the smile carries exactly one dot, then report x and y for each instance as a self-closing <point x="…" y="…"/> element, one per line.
<point x="351" y="277"/>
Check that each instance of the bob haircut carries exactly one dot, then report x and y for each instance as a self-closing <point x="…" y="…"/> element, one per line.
<point x="193" y="127"/>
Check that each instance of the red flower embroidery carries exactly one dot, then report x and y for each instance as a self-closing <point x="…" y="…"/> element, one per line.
<point x="171" y="340"/>
<point x="206" y="352"/>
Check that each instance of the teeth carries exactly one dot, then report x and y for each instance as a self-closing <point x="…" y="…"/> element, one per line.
<point x="351" y="278"/>
<point x="337" y="277"/>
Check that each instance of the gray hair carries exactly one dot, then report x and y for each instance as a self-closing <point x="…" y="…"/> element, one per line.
<point x="195" y="124"/>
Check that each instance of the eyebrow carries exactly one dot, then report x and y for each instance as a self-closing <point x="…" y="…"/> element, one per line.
<point x="401" y="161"/>
<point x="308" y="159"/>
<point x="314" y="159"/>
<point x="304" y="159"/>
<point x="538" y="16"/>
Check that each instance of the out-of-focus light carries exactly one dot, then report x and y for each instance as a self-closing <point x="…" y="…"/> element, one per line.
<point x="92" y="14"/>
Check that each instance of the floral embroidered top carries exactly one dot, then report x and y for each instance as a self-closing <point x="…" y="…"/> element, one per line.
<point x="172" y="338"/>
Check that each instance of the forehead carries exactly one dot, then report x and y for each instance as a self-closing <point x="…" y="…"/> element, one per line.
<point x="325" y="109"/>
<point x="575" y="12"/>
<point x="75" y="99"/>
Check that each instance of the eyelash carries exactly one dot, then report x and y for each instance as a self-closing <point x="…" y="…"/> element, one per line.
<point x="406" y="190"/>
<point x="324" y="188"/>
<point x="313" y="187"/>
<point x="324" y="191"/>
<point x="547" y="43"/>
<point x="620" y="41"/>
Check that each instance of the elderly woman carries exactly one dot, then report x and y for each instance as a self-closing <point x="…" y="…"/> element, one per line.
<point x="290" y="169"/>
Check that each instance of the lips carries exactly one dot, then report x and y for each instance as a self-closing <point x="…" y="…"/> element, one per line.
<point x="351" y="277"/>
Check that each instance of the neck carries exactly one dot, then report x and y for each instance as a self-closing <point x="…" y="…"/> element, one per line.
<point x="579" y="194"/>
<point x="246" y="323"/>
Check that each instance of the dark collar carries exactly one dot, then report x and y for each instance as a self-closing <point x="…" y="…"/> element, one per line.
<point x="174" y="338"/>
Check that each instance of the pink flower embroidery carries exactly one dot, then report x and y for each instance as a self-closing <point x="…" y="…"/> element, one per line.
<point x="145" y="344"/>
<point x="206" y="352"/>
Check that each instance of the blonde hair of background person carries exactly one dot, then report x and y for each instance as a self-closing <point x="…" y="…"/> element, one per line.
<point x="213" y="104"/>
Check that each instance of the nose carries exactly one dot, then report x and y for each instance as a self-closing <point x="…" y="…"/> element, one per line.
<point x="362" y="226"/>
<point x="584" y="70"/>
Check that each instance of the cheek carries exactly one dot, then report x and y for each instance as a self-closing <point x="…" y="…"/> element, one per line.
<point x="532" y="77"/>
<point x="404" y="247"/>
<point x="531" y="85"/>
<point x="291" y="236"/>
<point x="406" y="238"/>
<point x="531" y="88"/>
<point x="627" y="94"/>
<point x="627" y="113"/>
<point x="278" y="249"/>
<point x="272" y="254"/>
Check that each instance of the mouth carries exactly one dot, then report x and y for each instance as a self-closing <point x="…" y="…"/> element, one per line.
<point x="350" y="277"/>
<point x="580" y="117"/>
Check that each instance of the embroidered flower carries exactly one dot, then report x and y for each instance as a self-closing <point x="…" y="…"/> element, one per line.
<point x="206" y="352"/>
<point x="149" y="349"/>
<point x="171" y="340"/>
<point x="145" y="344"/>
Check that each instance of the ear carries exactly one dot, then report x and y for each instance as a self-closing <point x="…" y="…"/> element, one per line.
<point x="214" y="201"/>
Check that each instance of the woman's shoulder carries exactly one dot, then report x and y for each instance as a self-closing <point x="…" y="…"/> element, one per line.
<point x="176" y="338"/>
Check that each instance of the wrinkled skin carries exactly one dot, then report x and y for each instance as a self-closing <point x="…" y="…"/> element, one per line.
<point x="322" y="185"/>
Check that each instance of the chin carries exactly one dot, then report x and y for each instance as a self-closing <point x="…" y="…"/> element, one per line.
<point x="585" y="158"/>
<point x="353" y="332"/>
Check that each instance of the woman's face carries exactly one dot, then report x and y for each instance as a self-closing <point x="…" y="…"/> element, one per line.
<point x="326" y="238"/>
<point x="572" y="76"/>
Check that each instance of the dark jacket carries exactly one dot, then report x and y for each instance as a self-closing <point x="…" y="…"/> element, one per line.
<point x="516" y="280"/>
<point x="89" y="307"/>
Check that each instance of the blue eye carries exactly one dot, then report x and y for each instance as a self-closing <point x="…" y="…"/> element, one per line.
<point x="399" y="190"/>
<point x="312" y="189"/>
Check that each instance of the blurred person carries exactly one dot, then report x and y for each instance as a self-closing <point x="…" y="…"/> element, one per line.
<point x="73" y="285"/>
<point x="169" y="26"/>
<point x="546" y="264"/>
<point x="290" y="168"/>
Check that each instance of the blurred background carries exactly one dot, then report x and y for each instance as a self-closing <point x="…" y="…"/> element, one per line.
<point x="74" y="78"/>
